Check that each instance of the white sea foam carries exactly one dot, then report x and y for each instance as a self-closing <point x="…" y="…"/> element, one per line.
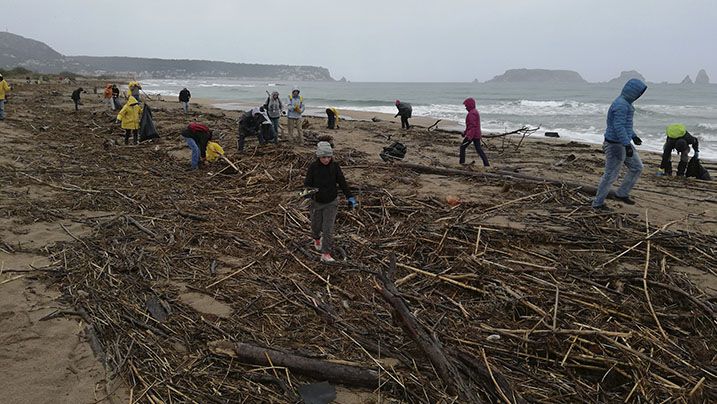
<point x="707" y="126"/>
<point x="226" y="85"/>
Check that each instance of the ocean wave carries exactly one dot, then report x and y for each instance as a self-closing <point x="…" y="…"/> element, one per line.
<point x="226" y="85"/>
<point x="707" y="126"/>
<point x="693" y="111"/>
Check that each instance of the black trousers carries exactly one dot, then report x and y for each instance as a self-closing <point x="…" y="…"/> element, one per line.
<point x="77" y="103"/>
<point x="404" y="122"/>
<point x="128" y="132"/>
<point x="479" y="149"/>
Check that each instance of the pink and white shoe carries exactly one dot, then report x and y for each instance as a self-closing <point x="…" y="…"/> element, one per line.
<point x="327" y="258"/>
<point x="317" y="244"/>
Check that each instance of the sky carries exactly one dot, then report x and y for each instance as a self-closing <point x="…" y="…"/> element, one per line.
<point x="396" y="40"/>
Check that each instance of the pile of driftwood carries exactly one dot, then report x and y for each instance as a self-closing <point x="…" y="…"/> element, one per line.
<point x="431" y="303"/>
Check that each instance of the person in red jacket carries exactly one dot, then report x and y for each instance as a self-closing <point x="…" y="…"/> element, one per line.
<point x="472" y="133"/>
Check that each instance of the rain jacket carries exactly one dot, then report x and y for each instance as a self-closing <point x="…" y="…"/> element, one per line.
<point x="4" y="88"/>
<point x="472" y="120"/>
<point x="274" y="106"/>
<point x="130" y="114"/>
<point x="295" y="107"/>
<point x="619" y="116"/>
<point x="335" y="112"/>
<point x="214" y="151"/>
<point x="404" y="109"/>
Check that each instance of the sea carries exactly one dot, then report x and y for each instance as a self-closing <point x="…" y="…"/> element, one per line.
<point x="576" y="111"/>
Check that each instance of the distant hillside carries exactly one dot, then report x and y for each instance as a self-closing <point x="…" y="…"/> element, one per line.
<point x="16" y="50"/>
<point x="627" y="75"/>
<point x="538" y="76"/>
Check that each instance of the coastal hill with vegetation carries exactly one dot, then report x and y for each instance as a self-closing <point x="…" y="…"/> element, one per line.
<point x="18" y="51"/>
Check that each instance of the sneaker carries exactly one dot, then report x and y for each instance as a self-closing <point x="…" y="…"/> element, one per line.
<point x="625" y="200"/>
<point x="317" y="244"/>
<point x="327" y="258"/>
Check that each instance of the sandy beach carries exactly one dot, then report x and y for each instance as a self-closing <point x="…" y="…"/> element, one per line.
<point x="165" y="270"/>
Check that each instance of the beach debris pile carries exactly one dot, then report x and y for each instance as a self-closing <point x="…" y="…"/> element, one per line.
<point x="199" y="289"/>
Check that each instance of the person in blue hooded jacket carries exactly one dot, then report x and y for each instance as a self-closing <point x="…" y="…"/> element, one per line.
<point x="618" y="148"/>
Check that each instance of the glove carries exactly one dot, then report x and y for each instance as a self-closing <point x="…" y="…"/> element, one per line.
<point x="637" y="140"/>
<point x="628" y="151"/>
<point x="352" y="202"/>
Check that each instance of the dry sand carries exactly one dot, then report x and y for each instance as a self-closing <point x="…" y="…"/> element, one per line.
<point x="51" y="361"/>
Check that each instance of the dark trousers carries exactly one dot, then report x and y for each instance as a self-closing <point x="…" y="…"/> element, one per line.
<point x="77" y="103"/>
<point x="476" y="143"/>
<point x="133" y="132"/>
<point x="331" y="123"/>
<point x="404" y="122"/>
<point x="265" y="134"/>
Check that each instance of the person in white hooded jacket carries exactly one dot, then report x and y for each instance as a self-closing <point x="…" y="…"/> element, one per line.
<point x="294" y="109"/>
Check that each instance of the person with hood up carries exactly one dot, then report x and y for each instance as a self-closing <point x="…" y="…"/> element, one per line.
<point x="325" y="173"/>
<point x="4" y="89"/>
<point x="130" y="116"/>
<point x="133" y="89"/>
<point x="332" y="120"/>
<point x="294" y="109"/>
<point x="274" y="107"/>
<point x="404" y="110"/>
<point x="617" y="146"/>
<point x="184" y="97"/>
<point x="76" y="97"/>
<point x="678" y="138"/>
<point x="472" y="133"/>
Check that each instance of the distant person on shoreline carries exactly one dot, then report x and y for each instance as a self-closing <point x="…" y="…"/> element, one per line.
<point x="678" y="138"/>
<point x="130" y="115"/>
<point x="472" y="134"/>
<point x="274" y="107"/>
<point x="184" y="97"/>
<point x="404" y="110"/>
<point x="618" y="148"/>
<point x="76" y="97"/>
<point x="294" y="109"/>
<point x="332" y="120"/>
<point x="4" y="89"/>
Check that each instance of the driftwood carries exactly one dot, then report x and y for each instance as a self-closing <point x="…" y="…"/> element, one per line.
<point x="318" y="369"/>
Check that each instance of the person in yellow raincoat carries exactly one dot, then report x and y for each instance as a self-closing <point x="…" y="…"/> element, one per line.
<point x="333" y="118"/>
<point x="4" y="89"/>
<point x="133" y="90"/>
<point x="214" y="151"/>
<point x="130" y="116"/>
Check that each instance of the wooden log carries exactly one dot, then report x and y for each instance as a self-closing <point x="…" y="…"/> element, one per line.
<point x="230" y="163"/>
<point x="314" y="368"/>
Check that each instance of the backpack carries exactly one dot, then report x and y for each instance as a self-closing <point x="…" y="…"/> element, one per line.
<point x="695" y="169"/>
<point x="396" y="151"/>
<point x="198" y="127"/>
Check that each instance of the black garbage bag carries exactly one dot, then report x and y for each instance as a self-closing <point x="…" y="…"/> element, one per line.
<point x="147" y="130"/>
<point x="696" y="170"/>
<point x="396" y="151"/>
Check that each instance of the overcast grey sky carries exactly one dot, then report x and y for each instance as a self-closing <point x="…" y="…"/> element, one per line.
<point x="371" y="40"/>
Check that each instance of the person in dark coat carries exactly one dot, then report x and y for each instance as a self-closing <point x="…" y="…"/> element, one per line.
<point x="184" y="97"/>
<point x="255" y="122"/>
<point x="325" y="174"/>
<point x="76" y="97"/>
<point x="404" y="110"/>
<point x="678" y="138"/>
<point x="197" y="137"/>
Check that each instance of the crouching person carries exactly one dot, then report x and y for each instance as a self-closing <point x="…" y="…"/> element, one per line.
<point x="678" y="138"/>
<point x="197" y="137"/>
<point x="324" y="174"/>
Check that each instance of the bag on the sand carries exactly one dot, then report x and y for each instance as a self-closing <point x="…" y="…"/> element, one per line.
<point x="396" y="151"/>
<point x="198" y="127"/>
<point x="147" y="130"/>
<point x="695" y="169"/>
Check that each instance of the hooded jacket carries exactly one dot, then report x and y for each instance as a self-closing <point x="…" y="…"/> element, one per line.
<point x="619" y="116"/>
<point x="130" y="114"/>
<point x="404" y="109"/>
<point x="214" y="151"/>
<point x="274" y="106"/>
<point x="295" y="107"/>
<point x="4" y="88"/>
<point x="472" y="120"/>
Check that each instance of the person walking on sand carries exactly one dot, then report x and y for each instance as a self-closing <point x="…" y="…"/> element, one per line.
<point x="130" y="115"/>
<point x="678" y="138"/>
<point x="617" y="146"/>
<point x="273" y="107"/>
<point x="325" y="173"/>
<point x="4" y="89"/>
<point x="472" y="133"/>
<point x="184" y="97"/>
<point x="404" y="110"/>
<point x="295" y="108"/>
